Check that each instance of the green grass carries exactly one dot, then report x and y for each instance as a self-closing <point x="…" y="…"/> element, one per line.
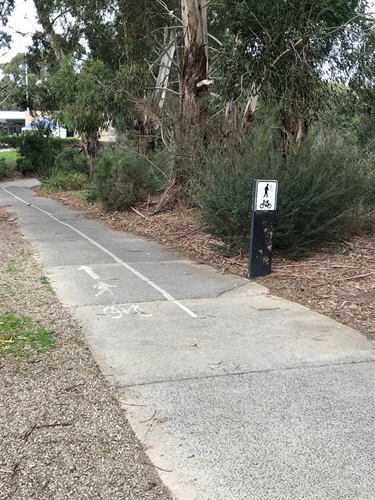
<point x="65" y="181"/>
<point x="12" y="267"/>
<point x="20" y="336"/>
<point x="10" y="156"/>
<point x="45" y="281"/>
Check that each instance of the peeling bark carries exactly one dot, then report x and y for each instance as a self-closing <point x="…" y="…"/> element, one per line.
<point x="195" y="57"/>
<point x="249" y="115"/>
<point x="149" y="123"/>
<point x="293" y="133"/>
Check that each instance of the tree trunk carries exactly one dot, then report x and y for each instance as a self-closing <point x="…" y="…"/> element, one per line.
<point x="165" y="67"/>
<point x="53" y="37"/>
<point x="149" y="123"/>
<point x="90" y="145"/>
<point x="194" y="71"/>
<point x="249" y="115"/>
<point x="191" y="129"/>
<point x="293" y="132"/>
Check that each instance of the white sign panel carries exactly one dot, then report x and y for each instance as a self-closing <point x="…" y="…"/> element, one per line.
<point x="265" y="196"/>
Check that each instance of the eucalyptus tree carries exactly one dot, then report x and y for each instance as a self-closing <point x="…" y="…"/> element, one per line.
<point x="6" y="8"/>
<point x="12" y="83"/>
<point x="279" y="50"/>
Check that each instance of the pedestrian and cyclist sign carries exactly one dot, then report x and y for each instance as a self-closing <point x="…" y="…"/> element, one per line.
<point x="265" y="195"/>
<point x="262" y="227"/>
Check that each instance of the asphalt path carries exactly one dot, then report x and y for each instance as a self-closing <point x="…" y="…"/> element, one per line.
<point x="235" y="393"/>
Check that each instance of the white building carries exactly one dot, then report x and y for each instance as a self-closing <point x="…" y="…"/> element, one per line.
<point x="11" y="122"/>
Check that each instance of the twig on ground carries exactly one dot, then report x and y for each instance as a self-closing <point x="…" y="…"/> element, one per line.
<point x="139" y="213"/>
<point x="6" y="471"/>
<point x="159" y="468"/>
<point x="57" y="424"/>
<point x="132" y="404"/>
<point x="29" y="431"/>
<point x="148" y="420"/>
<point x="190" y="232"/>
<point x="359" y="276"/>
<point x="72" y="387"/>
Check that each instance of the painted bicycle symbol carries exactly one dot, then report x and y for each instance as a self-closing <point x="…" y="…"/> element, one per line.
<point x="265" y="204"/>
<point x="117" y="311"/>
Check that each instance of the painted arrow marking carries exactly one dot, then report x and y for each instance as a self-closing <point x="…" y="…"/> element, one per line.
<point x="101" y="286"/>
<point x="90" y="272"/>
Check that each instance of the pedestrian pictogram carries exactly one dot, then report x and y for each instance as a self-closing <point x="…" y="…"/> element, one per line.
<point x="265" y="196"/>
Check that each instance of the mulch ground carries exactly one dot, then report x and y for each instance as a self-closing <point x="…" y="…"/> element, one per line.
<point x="338" y="281"/>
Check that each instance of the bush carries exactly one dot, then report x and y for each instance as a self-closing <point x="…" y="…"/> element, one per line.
<point x="37" y="154"/>
<point x="122" y="179"/>
<point x="10" y="141"/>
<point x="322" y="186"/>
<point x="65" y="181"/>
<point x="6" y="170"/>
<point x="70" y="160"/>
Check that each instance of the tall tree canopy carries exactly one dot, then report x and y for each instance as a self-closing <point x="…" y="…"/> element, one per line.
<point x="6" y="8"/>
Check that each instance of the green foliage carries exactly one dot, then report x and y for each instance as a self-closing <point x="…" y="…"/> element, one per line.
<point x="81" y="95"/>
<point x="6" y="8"/>
<point x="37" y="154"/>
<point x="71" y="160"/>
<point x="65" y="181"/>
<point x="20" y="336"/>
<point x="280" y="48"/>
<point x="123" y="178"/>
<point x="7" y="141"/>
<point x="5" y="169"/>
<point x="322" y="187"/>
<point x="92" y="193"/>
<point x="12" y="84"/>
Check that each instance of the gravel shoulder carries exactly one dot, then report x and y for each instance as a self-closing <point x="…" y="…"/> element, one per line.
<point x="62" y="432"/>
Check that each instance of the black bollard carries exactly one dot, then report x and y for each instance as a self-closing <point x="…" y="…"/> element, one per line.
<point x="262" y="227"/>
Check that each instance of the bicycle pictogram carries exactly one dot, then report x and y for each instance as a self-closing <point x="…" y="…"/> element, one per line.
<point x="265" y="204"/>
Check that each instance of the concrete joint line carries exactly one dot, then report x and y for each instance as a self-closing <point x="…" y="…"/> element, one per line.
<point x="249" y="372"/>
<point x="164" y="293"/>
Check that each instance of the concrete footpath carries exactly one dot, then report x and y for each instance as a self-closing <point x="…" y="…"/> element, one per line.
<point x="235" y="394"/>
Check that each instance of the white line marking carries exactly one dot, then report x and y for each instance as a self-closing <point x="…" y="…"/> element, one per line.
<point x="89" y="271"/>
<point x="113" y="256"/>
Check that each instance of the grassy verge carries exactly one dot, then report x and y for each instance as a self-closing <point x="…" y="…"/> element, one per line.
<point x="21" y="336"/>
<point x="8" y="164"/>
<point x="10" y="156"/>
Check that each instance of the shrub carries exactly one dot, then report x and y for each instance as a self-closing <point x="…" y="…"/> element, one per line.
<point x="6" y="170"/>
<point x="123" y="178"/>
<point x="37" y="154"/>
<point x="38" y="151"/>
<point x="65" y="181"/>
<point x="92" y="194"/>
<point x="10" y="141"/>
<point x="321" y="187"/>
<point x="70" y="160"/>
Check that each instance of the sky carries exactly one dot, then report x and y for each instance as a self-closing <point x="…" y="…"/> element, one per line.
<point x="23" y="21"/>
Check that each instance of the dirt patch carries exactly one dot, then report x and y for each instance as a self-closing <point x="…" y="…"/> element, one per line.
<point x="338" y="281"/>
